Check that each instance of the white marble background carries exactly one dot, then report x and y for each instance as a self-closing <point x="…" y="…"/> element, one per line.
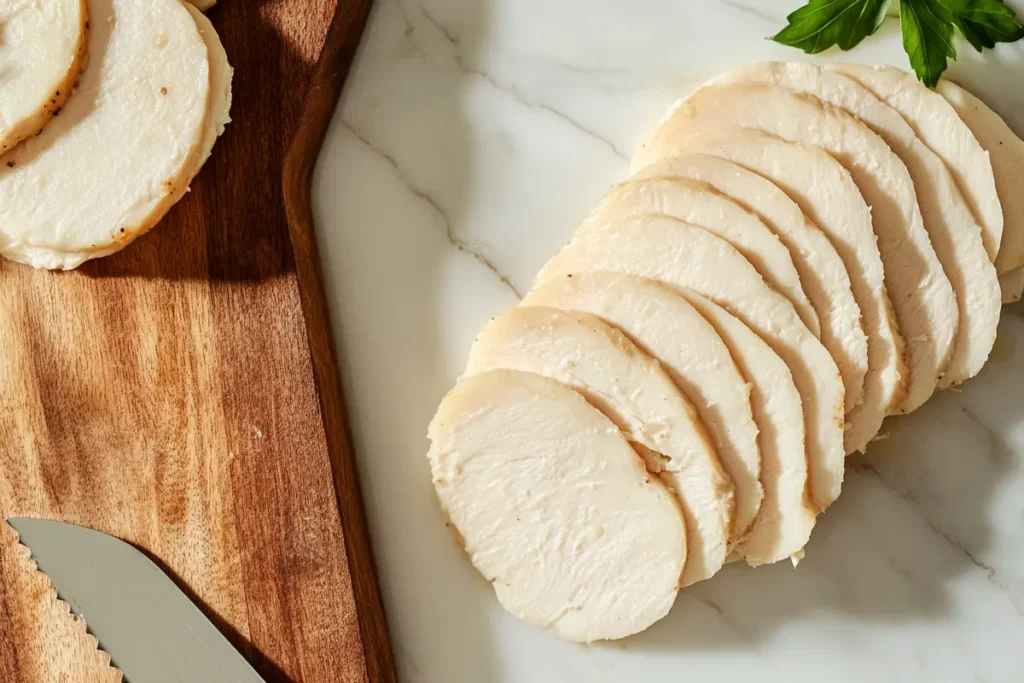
<point x="473" y="136"/>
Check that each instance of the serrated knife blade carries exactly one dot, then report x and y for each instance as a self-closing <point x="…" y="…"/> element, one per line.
<point x="151" y="630"/>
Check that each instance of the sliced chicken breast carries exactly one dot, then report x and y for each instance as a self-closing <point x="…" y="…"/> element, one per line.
<point x="695" y="202"/>
<point x="584" y="353"/>
<point x="218" y="116"/>
<point x="923" y="298"/>
<point x="820" y="268"/>
<point x="221" y="74"/>
<point x="42" y="51"/>
<point x="667" y="328"/>
<point x="1006" y="153"/>
<point x="828" y="196"/>
<point x="554" y="508"/>
<point x="951" y="227"/>
<point x="105" y="149"/>
<point x="783" y="524"/>
<point x="753" y="415"/>
<point x="938" y="126"/>
<point x="687" y="257"/>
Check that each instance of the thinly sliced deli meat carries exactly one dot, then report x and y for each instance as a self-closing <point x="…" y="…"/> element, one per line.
<point x="939" y="127"/>
<point x="828" y="196"/>
<point x="691" y="258"/>
<point x="42" y="51"/>
<point x="1006" y="153"/>
<point x="554" y="508"/>
<point x="669" y="329"/>
<point x="923" y="298"/>
<point x="699" y="204"/>
<point x="583" y="352"/>
<point x="951" y="227"/>
<point x="820" y="268"/>
<point x="126" y="144"/>
<point x="783" y="524"/>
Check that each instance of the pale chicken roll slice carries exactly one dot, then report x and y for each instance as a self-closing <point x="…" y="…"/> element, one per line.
<point x="937" y="125"/>
<point x="926" y="308"/>
<point x="698" y="203"/>
<point x="667" y="328"/>
<point x="953" y="232"/>
<point x="741" y="389"/>
<point x="1006" y="153"/>
<point x="787" y="512"/>
<point x="124" y="147"/>
<point x="217" y="118"/>
<point x="826" y="193"/>
<point x="42" y="51"/>
<point x="583" y="352"/>
<point x="820" y="268"/>
<point x="554" y="508"/>
<point x="687" y="257"/>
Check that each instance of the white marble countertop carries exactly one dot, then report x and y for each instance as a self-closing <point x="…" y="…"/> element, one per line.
<point x="473" y="137"/>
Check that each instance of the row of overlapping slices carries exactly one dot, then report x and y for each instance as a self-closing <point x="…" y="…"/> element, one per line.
<point x="108" y="110"/>
<point x="800" y="252"/>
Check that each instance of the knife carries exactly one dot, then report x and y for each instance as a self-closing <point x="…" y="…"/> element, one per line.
<point x="151" y="630"/>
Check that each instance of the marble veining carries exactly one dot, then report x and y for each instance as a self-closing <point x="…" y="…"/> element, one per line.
<point x="472" y="138"/>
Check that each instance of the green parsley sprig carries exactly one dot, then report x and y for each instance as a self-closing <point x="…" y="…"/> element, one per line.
<point x="928" y="28"/>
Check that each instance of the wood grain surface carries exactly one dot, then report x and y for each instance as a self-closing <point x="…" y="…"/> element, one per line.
<point x="183" y="395"/>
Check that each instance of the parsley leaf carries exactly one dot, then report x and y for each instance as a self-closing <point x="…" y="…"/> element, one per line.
<point x="928" y="28"/>
<point x="927" y="38"/>
<point x="982" y="22"/>
<point x="820" y="24"/>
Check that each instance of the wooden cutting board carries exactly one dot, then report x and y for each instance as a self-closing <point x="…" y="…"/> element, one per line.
<point x="183" y="395"/>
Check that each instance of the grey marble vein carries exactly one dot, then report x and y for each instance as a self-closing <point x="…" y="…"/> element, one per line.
<point x="906" y="494"/>
<point x="753" y="11"/>
<point x="507" y="88"/>
<point x="476" y="251"/>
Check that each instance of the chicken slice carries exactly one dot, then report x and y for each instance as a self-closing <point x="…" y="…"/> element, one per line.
<point x="821" y="270"/>
<point x="1006" y="153"/>
<point x="582" y="352"/>
<point x="698" y="203"/>
<point x="554" y="508"/>
<point x="951" y="227"/>
<point x="687" y="257"/>
<point x="923" y="298"/>
<point x="42" y="51"/>
<point x="104" y="149"/>
<point x="754" y="415"/>
<point x="828" y="196"/>
<point x="217" y="118"/>
<point x="939" y="127"/>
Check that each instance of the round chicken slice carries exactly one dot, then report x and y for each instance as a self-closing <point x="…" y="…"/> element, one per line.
<point x="698" y="203"/>
<point x="688" y="257"/>
<point x="221" y="74"/>
<point x="826" y="193"/>
<point x="784" y="522"/>
<point x="554" y="508"/>
<point x="582" y="352"/>
<point x="125" y="145"/>
<point x="218" y="116"/>
<point x="819" y="266"/>
<point x="1006" y="154"/>
<point x="938" y="126"/>
<point x="42" y="51"/>
<point x="923" y="298"/>
<point x="755" y="416"/>
<point x="668" y="329"/>
<point x="951" y="227"/>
